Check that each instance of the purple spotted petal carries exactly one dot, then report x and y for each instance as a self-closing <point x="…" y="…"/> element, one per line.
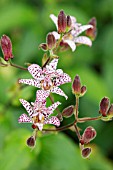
<point x="83" y="40"/>
<point x="31" y="82"/>
<point x="27" y="106"/>
<point x="52" y="108"/>
<point x="57" y="90"/>
<point x="35" y="71"/>
<point x="24" y="119"/>
<point x="53" y="120"/>
<point x="41" y="95"/>
<point x="64" y="78"/>
<point x="52" y="65"/>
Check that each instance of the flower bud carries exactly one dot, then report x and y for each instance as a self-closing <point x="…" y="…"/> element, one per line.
<point x="76" y="86"/>
<point x="86" y="152"/>
<point x="43" y="46"/>
<point x="31" y="141"/>
<point x="92" y="32"/>
<point x="69" y="22"/>
<point x="6" y="46"/>
<point x="62" y="22"/>
<point x="50" y="40"/>
<point x="68" y="111"/>
<point x="83" y="90"/>
<point x="104" y="105"/>
<point x="88" y="135"/>
<point x="110" y="111"/>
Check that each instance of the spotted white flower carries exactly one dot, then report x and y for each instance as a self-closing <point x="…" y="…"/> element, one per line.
<point x="72" y="36"/>
<point x="39" y="114"/>
<point x="47" y="78"/>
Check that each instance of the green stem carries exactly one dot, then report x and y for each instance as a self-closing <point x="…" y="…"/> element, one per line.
<point x="17" y="66"/>
<point x="61" y="128"/>
<point x="85" y="119"/>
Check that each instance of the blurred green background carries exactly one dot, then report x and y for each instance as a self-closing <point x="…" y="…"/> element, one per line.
<point x="27" y="22"/>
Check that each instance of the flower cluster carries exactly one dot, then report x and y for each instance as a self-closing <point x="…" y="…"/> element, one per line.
<point x="48" y="79"/>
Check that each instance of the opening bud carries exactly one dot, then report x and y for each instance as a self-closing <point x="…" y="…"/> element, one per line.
<point x="6" y="47"/>
<point x="50" y="40"/>
<point x="92" y="32"/>
<point x="83" y="90"/>
<point x="110" y="111"/>
<point x="88" y="135"/>
<point x="31" y="141"/>
<point x="86" y="152"/>
<point x="104" y="105"/>
<point x="68" y="111"/>
<point x="76" y="86"/>
<point x="62" y="22"/>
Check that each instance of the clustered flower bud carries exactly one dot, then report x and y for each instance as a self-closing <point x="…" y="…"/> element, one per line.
<point x="77" y="89"/>
<point x="43" y="46"/>
<point x="62" y="22"/>
<point x="92" y="32"/>
<point x="68" y="111"/>
<point x="31" y="141"/>
<point x="88" y="135"/>
<point x="104" y="106"/>
<point x="69" y="22"/>
<point x="50" y="40"/>
<point x="86" y="152"/>
<point x="6" y="46"/>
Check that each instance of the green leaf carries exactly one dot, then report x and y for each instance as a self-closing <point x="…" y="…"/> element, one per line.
<point x="59" y="153"/>
<point x="16" y="154"/>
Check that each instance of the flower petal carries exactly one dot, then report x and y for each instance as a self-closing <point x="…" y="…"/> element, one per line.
<point x="52" y="65"/>
<point x="40" y="126"/>
<point x="83" y="40"/>
<point x="64" y="78"/>
<point x="41" y="95"/>
<point x="24" y="119"/>
<point x="52" y="108"/>
<point x="71" y="44"/>
<point x="31" y="82"/>
<point x="27" y="106"/>
<point x="36" y="71"/>
<point x="56" y="35"/>
<point x="54" y="19"/>
<point x="81" y="29"/>
<point x="57" y="90"/>
<point x="53" y="120"/>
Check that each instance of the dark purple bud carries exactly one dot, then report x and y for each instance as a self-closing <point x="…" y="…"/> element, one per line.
<point x="6" y="46"/>
<point x="86" y="152"/>
<point x="110" y="111"/>
<point x="62" y="22"/>
<point x="43" y="46"/>
<point x="31" y="141"/>
<point x="76" y="86"/>
<point x="50" y="40"/>
<point x="69" y="22"/>
<point x="88" y="135"/>
<point x="104" y="105"/>
<point x="68" y="111"/>
<point x="83" y="90"/>
<point x="92" y="32"/>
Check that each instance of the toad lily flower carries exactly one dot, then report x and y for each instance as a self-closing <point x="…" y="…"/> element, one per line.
<point x="38" y="113"/>
<point x="47" y="78"/>
<point x="71" y="37"/>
